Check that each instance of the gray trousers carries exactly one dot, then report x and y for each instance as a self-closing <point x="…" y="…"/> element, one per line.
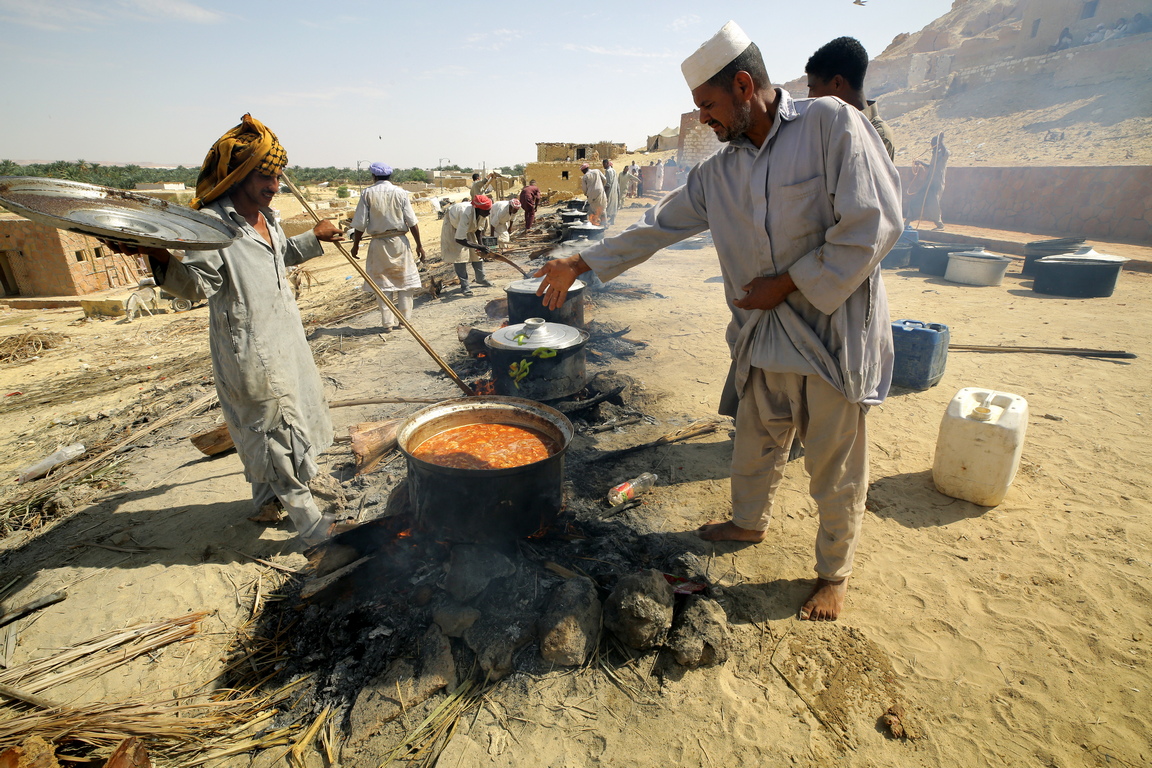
<point x="774" y="409"/>
<point x="288" y="486"/>
<point x="462" y="273"/>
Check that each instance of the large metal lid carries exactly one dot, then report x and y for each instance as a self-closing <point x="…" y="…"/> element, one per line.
<point x="114" y="214"/>
<point x="534" y="333"/>
<point x="530" y="285"/>
<point x="1085" y="255"/>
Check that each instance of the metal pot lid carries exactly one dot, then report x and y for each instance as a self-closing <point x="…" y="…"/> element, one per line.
<point x="114" y="214"/>
<point x="1086" y="255"/>
<point x="530" y="285"/>
<point x="535" y="333"/>
<point x="978" y="255"/>
<point x="585" y="226"/>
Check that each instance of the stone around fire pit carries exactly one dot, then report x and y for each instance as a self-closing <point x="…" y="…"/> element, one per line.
<point x="471" y="568"/>
<point x="453" y="618"/>
<point x="700" y="637"/>
<point x="495" y="638"/>
<point x="570" y="626"/>
<point x="639" y="610"/>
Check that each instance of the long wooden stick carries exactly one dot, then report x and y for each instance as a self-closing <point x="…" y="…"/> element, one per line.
<point x="380" y="295"/>
<point x="1077" y="351"/>
<point x="41" y="602"/>
<point x="381" y="400"/>
<point x="692" y="430"/>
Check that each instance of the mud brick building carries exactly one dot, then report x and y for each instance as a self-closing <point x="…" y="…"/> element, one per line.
<point x="41" y="261"/>
<point x="558" y="164"/>
<point x="697" y="141"/>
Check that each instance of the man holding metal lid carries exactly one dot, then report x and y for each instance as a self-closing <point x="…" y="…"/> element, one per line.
<point x="270" y="391"/>
<point x="803" y="203"/>
<point x="460" y="243"/>
<point x="385" y="214"/>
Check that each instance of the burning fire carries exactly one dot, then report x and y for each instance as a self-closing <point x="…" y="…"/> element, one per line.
<point x="484" y="387"/>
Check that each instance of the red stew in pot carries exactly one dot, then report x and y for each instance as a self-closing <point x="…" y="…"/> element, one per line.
<point x="486" y="446"/>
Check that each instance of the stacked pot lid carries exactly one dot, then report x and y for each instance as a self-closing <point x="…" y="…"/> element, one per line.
<point x="535" y="333"/>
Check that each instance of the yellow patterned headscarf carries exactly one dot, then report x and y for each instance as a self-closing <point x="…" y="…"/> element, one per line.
<point x="248" y="147"/>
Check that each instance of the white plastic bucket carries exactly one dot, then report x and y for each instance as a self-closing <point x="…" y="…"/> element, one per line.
<point x="979" y="445"/>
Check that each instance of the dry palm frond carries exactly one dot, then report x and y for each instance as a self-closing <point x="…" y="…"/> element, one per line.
<point x="427" y="740"/>
<point x="100" y="654"/>
<point x="28" y="345"/>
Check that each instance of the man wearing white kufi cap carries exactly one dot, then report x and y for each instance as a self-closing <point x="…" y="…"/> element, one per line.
<point x="803" y="203"/>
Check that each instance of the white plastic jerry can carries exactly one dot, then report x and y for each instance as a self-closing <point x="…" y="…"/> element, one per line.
<point x="978" y="449"/>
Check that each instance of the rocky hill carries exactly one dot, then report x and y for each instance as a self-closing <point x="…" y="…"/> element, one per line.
<point x="989" y="75"/>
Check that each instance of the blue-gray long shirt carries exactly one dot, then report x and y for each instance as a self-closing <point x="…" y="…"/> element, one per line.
<point x="820" y="199"/>
<point x="265" y="374"/>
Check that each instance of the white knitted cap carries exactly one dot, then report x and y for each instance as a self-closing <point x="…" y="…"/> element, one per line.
<point x="715" y="54"/>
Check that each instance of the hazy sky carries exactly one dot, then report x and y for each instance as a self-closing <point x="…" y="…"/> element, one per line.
<point x="412" y="83"/>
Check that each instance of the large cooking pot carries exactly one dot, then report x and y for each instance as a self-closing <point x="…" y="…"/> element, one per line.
<point x="1082" y="275"/>
<point x="1038" y="249"/>
<point x="576" y="205"/>
<point x="523" y="303"/>
<point x="485" y="505"/>
<point x="573" y="217"/>
<point x="537" y="360"/>
<point x="583" y="229"/>
<point x="932" y="258"/>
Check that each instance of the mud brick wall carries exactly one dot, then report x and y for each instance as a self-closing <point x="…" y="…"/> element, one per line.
<point x="551" y="152"/>
<point x="1106" y="203"/>
<point x="52" y="262"/>
<point x="551" y="176"/>
<point x="697" y="141"/>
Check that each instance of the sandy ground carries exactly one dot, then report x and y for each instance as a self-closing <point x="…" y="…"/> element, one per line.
<point x="1016" y="635"/>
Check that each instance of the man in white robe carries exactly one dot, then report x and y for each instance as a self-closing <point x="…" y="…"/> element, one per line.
<point x="592" y="183"/>
<point x="612" y="191"/>
<point x="460" y="243"/>
<point x="385" y="214"/>
<point x="501" y="219"/>
<point x="803" y="204"/>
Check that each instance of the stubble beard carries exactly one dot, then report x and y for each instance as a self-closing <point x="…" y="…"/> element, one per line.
<point x="741" y="122"/>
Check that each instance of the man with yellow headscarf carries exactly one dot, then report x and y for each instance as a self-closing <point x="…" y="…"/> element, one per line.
<point x="270" y="391"/>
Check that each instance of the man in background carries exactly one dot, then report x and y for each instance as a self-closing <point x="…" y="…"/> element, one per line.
<point x="385" y="214"/>
<point x="502" y="217"/>
<point x="529" y="201"/>
<point x="592" y="182"/>
<point x="927" y="186"/>
<point x="460" y="243"/>
<point x="612" y="191"/>
<point x="479" y="185"/>
<point x="838" y="69"/>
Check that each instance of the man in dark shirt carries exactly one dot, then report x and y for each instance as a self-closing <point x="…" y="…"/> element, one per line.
<point x="529" y="199"/>
<point x="838" y="69"/>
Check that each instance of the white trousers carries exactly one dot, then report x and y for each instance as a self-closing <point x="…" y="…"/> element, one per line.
<point x="774" y="408"/>
<point x="403" y="302"/>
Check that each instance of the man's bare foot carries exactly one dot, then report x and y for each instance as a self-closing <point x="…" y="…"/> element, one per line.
<point x="716" y="530"/>
<point x="272" y="512"/>
<point x="825" y="602"/>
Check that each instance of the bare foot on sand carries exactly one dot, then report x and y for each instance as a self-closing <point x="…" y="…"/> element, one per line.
<point x="825" y="602"/>
<point x="272" y="512"/>
<point x="727" y="530"/>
